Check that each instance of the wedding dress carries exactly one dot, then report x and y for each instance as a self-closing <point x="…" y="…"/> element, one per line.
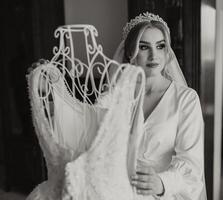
<point x="86" y="145"/>
<point x="101" y="171"/>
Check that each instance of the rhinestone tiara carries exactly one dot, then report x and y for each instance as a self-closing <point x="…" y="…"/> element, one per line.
<point x="144" y="17"/>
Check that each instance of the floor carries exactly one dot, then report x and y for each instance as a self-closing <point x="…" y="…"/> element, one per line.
<point x="12" y="195"/>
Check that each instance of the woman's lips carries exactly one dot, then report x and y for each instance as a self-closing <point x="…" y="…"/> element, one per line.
<point x="152" y="65"/>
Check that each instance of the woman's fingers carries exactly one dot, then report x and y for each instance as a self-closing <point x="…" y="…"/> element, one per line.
<point x="43" y="61"/>
<point x="143" y="188"/>
<point x="145" y="192"/>
<point x="145" y="170"/>
<point x="147" y="181"/>
<point x="38" y="63"/>
<point x="141" y="177"/>
<point x="35" y="64"/>
<point x="142" y="185"/>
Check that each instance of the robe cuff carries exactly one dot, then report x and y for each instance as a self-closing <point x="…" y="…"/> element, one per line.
<point x="172" y="182"/>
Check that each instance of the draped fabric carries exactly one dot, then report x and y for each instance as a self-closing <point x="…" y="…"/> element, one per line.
<point x="85" y="162"/>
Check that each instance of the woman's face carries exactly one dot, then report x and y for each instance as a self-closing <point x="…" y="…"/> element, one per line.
<point x="152" y="52"/>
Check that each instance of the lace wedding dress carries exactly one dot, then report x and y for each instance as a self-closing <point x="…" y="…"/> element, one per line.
<point x="85" y="144"/>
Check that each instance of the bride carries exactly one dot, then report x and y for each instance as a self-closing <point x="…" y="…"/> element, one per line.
<point x="171" y="155"/>
<point x="145" y="139"/>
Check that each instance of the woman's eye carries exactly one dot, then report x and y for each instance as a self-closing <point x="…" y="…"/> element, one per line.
<point x="161" y="46"/>
<point x="143" y="47"/>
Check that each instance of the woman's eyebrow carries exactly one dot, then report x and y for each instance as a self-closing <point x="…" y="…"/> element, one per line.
<point x="145" y="42"/>
<point x="160" y="41"/>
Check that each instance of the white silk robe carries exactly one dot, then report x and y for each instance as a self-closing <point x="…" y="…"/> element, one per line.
<point x="173" y="143"/>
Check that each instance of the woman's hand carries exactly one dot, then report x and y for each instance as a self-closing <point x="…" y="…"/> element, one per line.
<point x="42" y="87"/>
<point x="147" y="182"/>
<point x="38" y="63"/>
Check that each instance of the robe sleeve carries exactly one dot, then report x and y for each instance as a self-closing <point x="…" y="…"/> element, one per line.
<point x="184" y="178"/>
